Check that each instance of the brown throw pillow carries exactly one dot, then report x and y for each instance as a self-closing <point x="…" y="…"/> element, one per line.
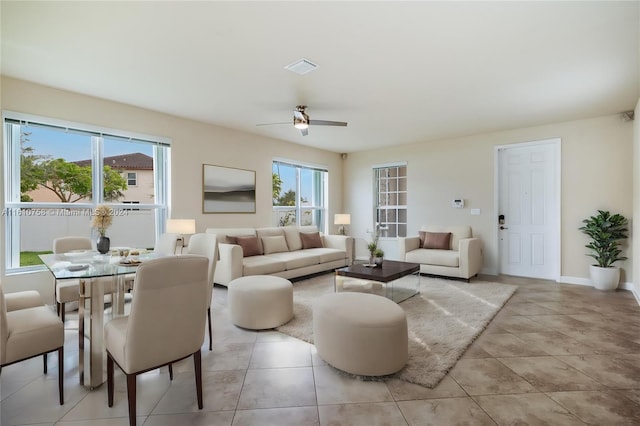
<point x="437" y="240"/>
<point x="422" y="234"/>
<point x="310" y="240"/>
<point x="249" y="243"/>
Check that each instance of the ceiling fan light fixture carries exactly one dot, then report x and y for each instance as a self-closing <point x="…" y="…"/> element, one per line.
<point x="300" y="123"/>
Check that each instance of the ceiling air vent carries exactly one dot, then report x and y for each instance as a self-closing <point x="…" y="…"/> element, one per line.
<point x="301" y="66"/>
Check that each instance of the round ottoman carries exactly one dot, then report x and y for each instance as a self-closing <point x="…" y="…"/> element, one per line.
<point x="258" y="302"/>
<point x="360" y="333"/>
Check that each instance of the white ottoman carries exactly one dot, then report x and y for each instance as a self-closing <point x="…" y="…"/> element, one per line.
<point x="360" y="333"/>
<point x="259" y="302"/>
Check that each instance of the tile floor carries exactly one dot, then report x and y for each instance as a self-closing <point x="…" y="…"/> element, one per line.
<point x="555" y="355"/>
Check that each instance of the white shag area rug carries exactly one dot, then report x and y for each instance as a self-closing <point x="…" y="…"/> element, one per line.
<point x="443" y="320"/>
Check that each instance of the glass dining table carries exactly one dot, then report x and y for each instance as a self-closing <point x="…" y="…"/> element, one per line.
<point x="93" y="271"/>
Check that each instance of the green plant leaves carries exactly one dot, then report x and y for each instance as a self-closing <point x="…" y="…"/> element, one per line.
<point x="606" y="231"/>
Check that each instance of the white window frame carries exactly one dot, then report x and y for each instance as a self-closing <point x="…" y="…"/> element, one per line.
<point x="11" y="143"/>
<point x="319" y="204"/>
<point x="377" y="194"/>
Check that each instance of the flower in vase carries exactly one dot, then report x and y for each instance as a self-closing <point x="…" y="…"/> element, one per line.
<point x="102" y="218"/>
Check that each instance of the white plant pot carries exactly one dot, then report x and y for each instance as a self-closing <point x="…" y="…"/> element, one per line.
<point x="605" y="278"/>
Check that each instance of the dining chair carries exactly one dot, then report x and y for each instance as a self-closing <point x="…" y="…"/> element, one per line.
<point x="28" y="328"/>
<point x="166" y="244"/>
<point x="206" y="245"/>
<point x="69" y="290"/>
<point x="164" y="325"/>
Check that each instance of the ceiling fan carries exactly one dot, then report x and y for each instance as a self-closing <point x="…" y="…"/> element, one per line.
<point x="302" y="121"/>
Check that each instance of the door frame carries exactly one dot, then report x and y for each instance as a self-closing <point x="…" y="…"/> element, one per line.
<point x="556" y="238"/>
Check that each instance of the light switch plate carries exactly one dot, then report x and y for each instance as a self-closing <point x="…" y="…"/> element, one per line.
<point x="475" y="212"/>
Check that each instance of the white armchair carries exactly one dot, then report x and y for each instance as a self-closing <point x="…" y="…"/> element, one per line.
<point x="462" y="257"/>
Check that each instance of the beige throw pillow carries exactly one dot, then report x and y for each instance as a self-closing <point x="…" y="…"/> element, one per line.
<point x="276" y="244"/>
<point x="437" y="240"/>
<point x="311" y="240"/>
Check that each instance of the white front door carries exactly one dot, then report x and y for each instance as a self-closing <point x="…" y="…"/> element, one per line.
<point x="528" y="209"/>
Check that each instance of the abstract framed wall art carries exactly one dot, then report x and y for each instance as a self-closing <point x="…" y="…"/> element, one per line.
<point x="228" y="190"/>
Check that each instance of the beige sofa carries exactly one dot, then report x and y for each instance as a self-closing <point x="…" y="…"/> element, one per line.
<point x="290" y="260"/>
<point x="462" y="259"/>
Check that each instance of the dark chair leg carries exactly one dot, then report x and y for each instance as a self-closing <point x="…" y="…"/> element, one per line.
<point x="131" y="393"/>
<point x="62" y="312"/>
<point x="210" y="332"/>
<point x="58" y="308"/>
<point x="170" y="371"/>
<point x="61" y="373"/>
<point x="197" y="363"/>
<point x="44" y="360"/>
<point x="109" y="380"/>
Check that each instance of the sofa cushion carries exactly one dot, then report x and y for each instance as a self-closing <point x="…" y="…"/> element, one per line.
<point x="262" y="265"/>
<point x="249" y="243"/>
<point x="297" y="259"/>
<point x="275" y="244"/>
<point x="457" y="233"/>
<point x="223" y="233"/>
<point x="437" y="240"/>
<point x="292" y="235"/>
<point x="449" y="258"/>
<point x="328" y="254"/>
<point x="272" y="231"/>
<point x="310" y="240"/>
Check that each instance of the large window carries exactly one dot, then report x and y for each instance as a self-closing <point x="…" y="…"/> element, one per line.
<point x="390" y="198"/>
<point x="58" y="172"/>
<point x="299" y="195"/>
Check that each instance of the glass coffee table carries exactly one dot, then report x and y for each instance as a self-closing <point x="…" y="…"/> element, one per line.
<point x="395" y="280"/>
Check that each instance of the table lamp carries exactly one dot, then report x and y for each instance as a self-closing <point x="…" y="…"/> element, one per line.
<point x="343" y="220"/>
<point x="181" y="227"/>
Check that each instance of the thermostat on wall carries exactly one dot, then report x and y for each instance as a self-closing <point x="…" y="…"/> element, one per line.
<point x="457" y="204"/>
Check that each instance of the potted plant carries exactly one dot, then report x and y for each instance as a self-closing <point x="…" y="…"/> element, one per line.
<point x="372" y="247"/>
<point x="606" y="231"/>
<point x="378" y="255"/>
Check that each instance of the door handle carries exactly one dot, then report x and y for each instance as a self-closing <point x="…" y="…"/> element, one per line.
<point x="503" y="227"/>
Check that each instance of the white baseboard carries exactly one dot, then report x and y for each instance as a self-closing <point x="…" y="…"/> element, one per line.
<point x="587" y="281"/>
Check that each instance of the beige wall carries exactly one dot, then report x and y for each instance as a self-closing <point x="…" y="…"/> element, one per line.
<point x="596" y="170"/>
<point x="193" y="144"/>
<point x="636" y="199"/>
<point x="596" y="174"/>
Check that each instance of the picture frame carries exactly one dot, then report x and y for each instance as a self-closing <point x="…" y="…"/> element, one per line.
<point x="228" y="189"/>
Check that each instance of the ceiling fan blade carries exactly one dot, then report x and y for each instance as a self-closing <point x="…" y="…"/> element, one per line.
<point x="304" y="132"/>
<point x="269" y="124"/>
<point x="327" y="123"/>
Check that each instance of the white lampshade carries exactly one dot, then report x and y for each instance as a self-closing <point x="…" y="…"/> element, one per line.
<point x="342" y="219"/>
<point x="181" y="226"/>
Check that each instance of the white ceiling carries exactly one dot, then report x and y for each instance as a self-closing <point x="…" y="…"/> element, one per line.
<point x="397" y="72"/>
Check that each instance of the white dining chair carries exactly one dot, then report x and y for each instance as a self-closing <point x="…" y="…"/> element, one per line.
<point x="165" y="324"/>
<point x="69" y="290"/>
<point x="29" y="328"/>
<point x="166" y="244"/>
<point x="206" y="245"/>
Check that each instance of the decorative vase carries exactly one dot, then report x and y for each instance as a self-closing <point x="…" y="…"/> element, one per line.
<point x="103" y="244"/>
<point x="606" y="279"/>
<point x="378" y="261"/>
